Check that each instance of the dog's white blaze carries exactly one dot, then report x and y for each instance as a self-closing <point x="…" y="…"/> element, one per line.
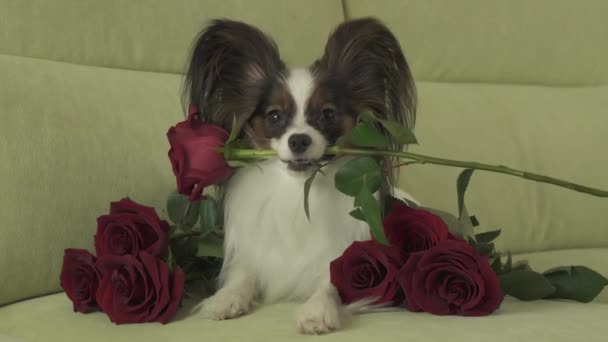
<point x="300" y="84"/>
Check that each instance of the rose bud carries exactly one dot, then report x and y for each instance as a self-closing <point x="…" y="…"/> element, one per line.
<point x="196" y="162"/>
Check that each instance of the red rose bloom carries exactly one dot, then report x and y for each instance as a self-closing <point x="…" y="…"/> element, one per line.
<point x="413" y="230"/>
<point x="367" y="269"/>
<point x="79" y="279"/>
<point x="130" y="228"/>
<point x="196" y="163"/>
<point x="450" y="278"/>
<point x="137" y="290"/>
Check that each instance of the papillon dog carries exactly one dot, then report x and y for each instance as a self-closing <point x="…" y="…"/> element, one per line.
<point x="273" y="252"/>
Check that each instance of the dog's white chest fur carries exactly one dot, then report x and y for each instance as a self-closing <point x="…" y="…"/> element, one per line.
<point x="268" y="233"/>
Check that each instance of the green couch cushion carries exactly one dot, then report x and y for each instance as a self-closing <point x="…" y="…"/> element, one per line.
<point x="72" y="139"/>
<point x="154" y="35"/>
<point x="517" y="41"/>
<point x="558" y="131"/>
<point x="50" y="319"/>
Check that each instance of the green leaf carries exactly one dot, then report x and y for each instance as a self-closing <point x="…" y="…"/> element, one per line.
<point x="357" y="214"/>
<point x="364" y="134"/>
<point x="176" y="208"/>
<point x="234" y="134"/>
<point x="307" y="186"/>
<point x="508" y="267"/>
<point x="466" y="226"/>
<point x="209" y="215"/>
<point x="170" y="260"/>
<point x="463" y="216"/>
<point x="211" y="246"/>
<point x="400" y="133"/>
<point x="577" y="283"/>
<point x="487" y="237"/>
<point x="496" y="264"/>
<point x="358" y="173"/>
<point x="371" y="211"/>
<point x="462" y="183"/>
<point x="484" y="248"/>
<point x="526" y="285"/>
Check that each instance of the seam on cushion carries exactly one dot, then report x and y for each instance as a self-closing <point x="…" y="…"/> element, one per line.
<point x="550" y="250"/>
<point x="345" y="17"/>
<point x="91" y="65"/>
<point x="345" y="13"/>
<point x="511" y="84"/>
<point x="514" y="83"/>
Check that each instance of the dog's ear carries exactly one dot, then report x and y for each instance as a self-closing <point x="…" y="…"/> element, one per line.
<point x="365" y="59"/>
<point x="232" y="65"/>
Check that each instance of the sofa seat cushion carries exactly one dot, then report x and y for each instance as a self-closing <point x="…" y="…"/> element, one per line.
<point x="50" y="319"/>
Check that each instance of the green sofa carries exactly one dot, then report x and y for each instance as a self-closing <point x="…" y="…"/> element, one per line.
<point x="89" y="88"/>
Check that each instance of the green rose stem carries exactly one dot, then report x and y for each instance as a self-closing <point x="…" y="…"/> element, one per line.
<point x="248" y="154"/>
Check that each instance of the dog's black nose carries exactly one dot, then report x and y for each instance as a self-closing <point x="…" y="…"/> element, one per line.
<point x="298" y="143"/>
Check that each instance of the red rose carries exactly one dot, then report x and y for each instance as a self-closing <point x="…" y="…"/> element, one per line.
<point x="196" y="163"/>
<point x="367" y="269"/>
<point x="137" y="290"/>
<point x="79" y="279"/>
<point x="130" y="228"/>
<point x="413" y="230"/>
<point x="450" y="278"/>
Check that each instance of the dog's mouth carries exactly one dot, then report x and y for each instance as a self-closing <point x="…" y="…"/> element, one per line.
<point x="299" y="165"/>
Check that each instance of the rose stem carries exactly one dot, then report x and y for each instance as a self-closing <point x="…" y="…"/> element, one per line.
<point x="422" y="159"/>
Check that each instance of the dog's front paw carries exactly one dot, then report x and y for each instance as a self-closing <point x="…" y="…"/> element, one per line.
<point x="318" y="316"/>
<point x="225" y="304"/>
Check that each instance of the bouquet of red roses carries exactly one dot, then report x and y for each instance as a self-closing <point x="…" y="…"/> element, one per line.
<point x="423" y="259"/>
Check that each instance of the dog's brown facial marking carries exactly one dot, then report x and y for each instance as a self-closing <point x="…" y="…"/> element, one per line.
<point x="329" y="112"/>
<point x="272" y="116"/>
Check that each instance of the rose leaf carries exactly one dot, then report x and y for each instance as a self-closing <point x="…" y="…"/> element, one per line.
<point x="358" y="173"/>
<point x="371" y="211"/>
<point x="364" y="134"/>
<point x="577" y="283"/>
<point x="526" y="285"/>
<point x="177" y="204"/>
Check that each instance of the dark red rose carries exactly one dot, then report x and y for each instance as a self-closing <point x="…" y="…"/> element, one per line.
<point x="413" y="230"/>
<point x="367" y="269"/>
<point x="138" y="289"/>
<point x="79" y="279"/>
<point x="450" y="279"/>
<point x="130" y="228"/>
<point x="196" y="163"/>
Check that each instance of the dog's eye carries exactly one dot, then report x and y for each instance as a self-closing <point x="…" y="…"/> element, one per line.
<point x="328" y="114"/>
<point x="274" y="116"/>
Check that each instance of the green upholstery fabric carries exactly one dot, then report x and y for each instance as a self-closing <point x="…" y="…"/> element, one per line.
<point x="557" y="131"/>
<point x="514" y="82"/>
<point x="72" y="139"/>
<point x="554" y="42"/>
<point x="154" y="35"/>
<point x="554" y="321"/>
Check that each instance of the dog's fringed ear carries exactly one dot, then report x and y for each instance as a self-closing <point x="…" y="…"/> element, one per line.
<point x="366" y="60"/>
<point x="232" y="65"/>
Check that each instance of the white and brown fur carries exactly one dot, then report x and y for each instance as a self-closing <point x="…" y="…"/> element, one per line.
<point x="272" y="251"/>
